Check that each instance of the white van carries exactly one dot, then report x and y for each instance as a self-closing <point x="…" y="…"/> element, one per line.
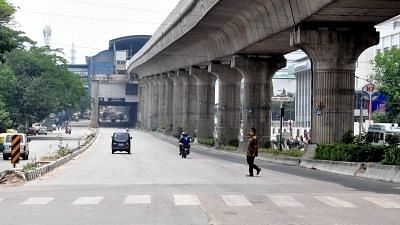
<point x="379" y="132"/>
<point x="24" y="146"/>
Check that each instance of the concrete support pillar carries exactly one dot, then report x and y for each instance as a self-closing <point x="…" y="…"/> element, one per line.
<point x="257" y="73"/>
<point x="94" y="123"/>
<point x="142" y="94"/>
<point x="161" y="101"/>
<point x="154" y="102"/>
<point x="228" y="114"/>
<point x="333" y="53"/>
<point x="205" y="102"/>
<point x="177" y="115"/>
<point x="189" y="101"/>
<point x="146" y="104"/>
<point x="169" y="102"/>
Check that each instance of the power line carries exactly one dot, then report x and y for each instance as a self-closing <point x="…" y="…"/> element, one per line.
<point x="117" y="6"/>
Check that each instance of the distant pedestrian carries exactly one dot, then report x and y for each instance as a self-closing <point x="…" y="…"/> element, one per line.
<point x="252" y="152"/>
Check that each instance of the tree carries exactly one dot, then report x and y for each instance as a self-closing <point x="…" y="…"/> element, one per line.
<point x="9" y="38"/>
<point x="387" y="78"/>
<point x="42" y="85"/>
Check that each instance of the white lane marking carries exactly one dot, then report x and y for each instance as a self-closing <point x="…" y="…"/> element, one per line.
<point x="383" y="202"/>
<point x="186" y="200"/>
<point x="236" y="200"/>
<point x="138" y="199"/>
<point x="335" y="202"/>
<point x="88" y="200"/>
<point x="285" y="201"/>
<point x="37" y="201"/>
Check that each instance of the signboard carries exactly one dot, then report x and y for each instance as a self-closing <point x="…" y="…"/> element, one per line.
<point x="282" y="99"/>
<point x="369" y="89"/>
<point x="15" y="148"/>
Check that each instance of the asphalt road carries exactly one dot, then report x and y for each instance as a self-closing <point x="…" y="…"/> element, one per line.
<point x="42" y="145"/>
<point x="154" y="186"/>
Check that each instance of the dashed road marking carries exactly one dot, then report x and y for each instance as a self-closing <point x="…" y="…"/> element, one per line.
<point x="236" y="200"/>
<point x="285" y="201"/>
<point x="88" y="200"/>
<point x="37" y="201"/>
<point x="383" y="202"/>
<point x="137" y="199"/>
<point x="335" y="202"/>
<point x="186" y="200"/>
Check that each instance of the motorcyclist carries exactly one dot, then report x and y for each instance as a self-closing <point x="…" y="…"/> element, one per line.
<point x="183" y="140"/>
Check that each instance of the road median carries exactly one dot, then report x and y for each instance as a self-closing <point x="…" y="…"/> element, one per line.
<point x="49" y="166"/>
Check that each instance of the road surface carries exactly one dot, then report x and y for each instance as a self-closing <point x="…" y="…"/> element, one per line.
<point x="154" y="186"/>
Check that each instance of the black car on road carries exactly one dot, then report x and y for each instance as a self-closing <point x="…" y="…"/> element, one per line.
<point x="121" y="141"/>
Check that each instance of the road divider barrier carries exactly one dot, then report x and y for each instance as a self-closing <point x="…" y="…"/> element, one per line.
<point x="33" y="174"/>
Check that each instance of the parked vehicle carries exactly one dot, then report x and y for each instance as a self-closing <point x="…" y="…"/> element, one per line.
<point x="378" y="132"/>
<point x="121" y="142"/>
<point x="42" y="130"/>
<point x="24" y="146"/>
<point x="31" y="131"/>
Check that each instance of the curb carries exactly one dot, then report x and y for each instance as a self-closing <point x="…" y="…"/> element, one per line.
<point x="33" y="174"/>
<point x="345" y="168"/>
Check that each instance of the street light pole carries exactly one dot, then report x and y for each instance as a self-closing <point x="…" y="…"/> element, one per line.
<point x="281" y="130"/>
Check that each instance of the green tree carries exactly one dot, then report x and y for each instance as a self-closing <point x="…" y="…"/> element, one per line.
<point x="9" y="38"/>
<point x="43" y="85"/>
<point x="387" y="78"/>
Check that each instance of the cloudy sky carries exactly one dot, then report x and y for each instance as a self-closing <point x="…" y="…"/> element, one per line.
<point x="89" y="24"/>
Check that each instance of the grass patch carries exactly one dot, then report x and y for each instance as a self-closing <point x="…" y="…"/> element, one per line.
<point x="29" y="167"/>
<point x="229" y="148"/>
<point x="207" y="141"/>
<point x="291" y="152"/>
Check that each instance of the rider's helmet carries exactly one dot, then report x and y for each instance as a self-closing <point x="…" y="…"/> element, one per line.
<point x="184" y="134"/>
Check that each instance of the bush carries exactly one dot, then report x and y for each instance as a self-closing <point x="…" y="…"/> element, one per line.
<point x="392" y="156"/>
<point x="290" y="152"/>
<point x="393" y="140"/>
<point x="350" y="152"/>
<point x="230" y="148"/>
<point x="348" y="137"/>
<point x="207" y="141"/>
<point x="234" y="142"/>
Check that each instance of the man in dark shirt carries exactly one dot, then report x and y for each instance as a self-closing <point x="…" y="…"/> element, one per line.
<point x="252" y="152"/>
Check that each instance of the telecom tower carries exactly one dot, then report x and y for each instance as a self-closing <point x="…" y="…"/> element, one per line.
<point x="73" y="53"/>
<point x="47" y="35"/>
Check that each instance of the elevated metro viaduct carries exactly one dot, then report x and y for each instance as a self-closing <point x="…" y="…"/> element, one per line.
<point x="231" y="40"/>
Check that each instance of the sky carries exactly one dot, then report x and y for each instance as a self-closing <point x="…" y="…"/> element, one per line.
<point x="89" y="24"/>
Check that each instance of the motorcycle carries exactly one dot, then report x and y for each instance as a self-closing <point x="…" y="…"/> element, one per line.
<point x="185" y="150"/>
<point x="68" y="130"/>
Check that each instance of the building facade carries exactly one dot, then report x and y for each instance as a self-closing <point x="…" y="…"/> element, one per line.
<point x="115" y="92"/>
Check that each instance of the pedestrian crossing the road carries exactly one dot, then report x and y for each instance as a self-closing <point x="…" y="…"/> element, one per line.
<point x="228" y="200"/>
